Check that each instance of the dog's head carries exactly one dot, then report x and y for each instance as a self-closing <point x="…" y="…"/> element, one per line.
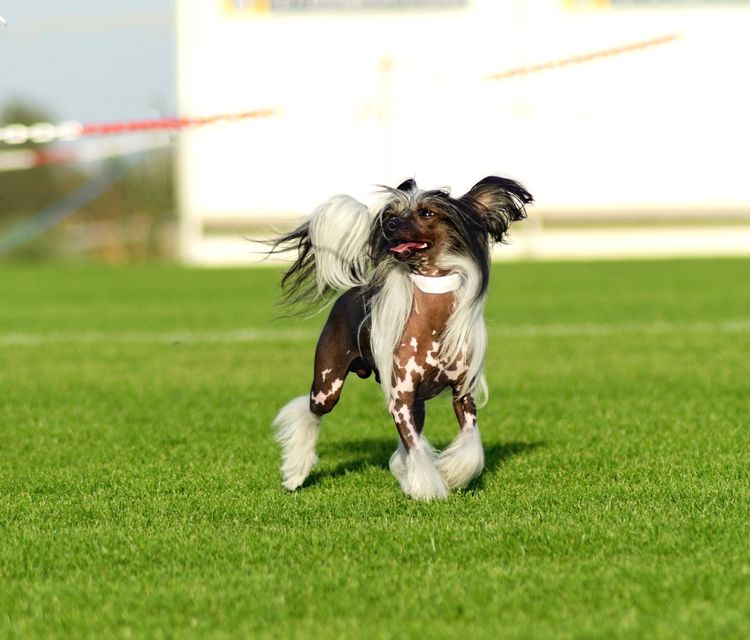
<point x="419" y="228"/>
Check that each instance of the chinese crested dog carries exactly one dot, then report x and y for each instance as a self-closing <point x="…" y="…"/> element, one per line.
<point x="413" y="272"/>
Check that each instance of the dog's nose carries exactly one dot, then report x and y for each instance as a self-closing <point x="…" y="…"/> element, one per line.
<point x="392" y="225"/>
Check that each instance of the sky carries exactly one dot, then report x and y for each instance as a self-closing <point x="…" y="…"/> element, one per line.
<point x="89" y="60"/>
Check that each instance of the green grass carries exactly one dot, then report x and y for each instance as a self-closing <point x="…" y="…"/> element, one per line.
<point x="140" y="495"/>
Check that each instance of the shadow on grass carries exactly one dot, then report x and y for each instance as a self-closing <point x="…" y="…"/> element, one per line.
<point x="497" y="453"/>
<point x="376" y="452"/>
<point x="368" y="452"/>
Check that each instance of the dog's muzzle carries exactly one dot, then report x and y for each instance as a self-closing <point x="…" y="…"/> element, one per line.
<point x="398" y="233"/>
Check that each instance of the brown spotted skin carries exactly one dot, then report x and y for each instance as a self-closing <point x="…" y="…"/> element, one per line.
<point x="338" y="352"/>
<point x="418" y="373"/>
<point x="466" y="411"/>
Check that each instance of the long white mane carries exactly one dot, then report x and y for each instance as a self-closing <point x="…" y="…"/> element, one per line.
<point x="466" y="331"/>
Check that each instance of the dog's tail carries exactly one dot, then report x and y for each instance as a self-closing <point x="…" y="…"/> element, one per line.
<point x="332" y="253"/>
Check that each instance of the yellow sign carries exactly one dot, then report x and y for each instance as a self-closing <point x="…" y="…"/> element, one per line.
<point x="587" y="4"/>
<point x="247" y="6"/>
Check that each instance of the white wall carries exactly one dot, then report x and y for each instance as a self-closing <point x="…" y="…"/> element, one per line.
<point x="373" y="97"/>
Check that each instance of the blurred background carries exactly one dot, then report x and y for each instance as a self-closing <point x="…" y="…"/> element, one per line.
<point x="156" y="130"/>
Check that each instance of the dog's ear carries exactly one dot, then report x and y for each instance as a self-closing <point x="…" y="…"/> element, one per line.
<point x="407" y="185"/>
<point x="500" y="201"/>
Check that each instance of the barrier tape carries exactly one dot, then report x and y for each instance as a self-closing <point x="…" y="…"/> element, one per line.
<point x="45" y="132"/>
<point x="580" y="59"/>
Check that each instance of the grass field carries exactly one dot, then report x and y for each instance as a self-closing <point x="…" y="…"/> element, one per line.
<point x="140" y="495"/>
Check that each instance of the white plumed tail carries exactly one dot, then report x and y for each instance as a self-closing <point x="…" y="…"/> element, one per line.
<point x="297" y="431"/>
<point x="339" y="230"/>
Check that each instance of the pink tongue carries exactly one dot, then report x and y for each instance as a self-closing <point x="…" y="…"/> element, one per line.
<point x="408" y="246"/>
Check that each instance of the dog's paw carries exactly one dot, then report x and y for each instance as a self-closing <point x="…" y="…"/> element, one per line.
<point x="422" y="480"/>
<point x="463" y="460"/>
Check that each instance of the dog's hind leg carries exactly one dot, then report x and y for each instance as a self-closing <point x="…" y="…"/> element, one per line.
<point x="463" y="460"/>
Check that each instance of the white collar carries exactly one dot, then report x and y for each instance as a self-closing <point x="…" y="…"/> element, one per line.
<point x="436" y="284"/>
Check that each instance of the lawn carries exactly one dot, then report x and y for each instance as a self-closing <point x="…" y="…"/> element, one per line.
<point x="140" y="495"/>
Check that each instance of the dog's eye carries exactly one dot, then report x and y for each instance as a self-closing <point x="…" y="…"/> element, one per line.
<point x="426" y="213"/>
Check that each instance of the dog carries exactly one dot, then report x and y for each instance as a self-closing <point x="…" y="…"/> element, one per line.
<point x="413" y="274"/>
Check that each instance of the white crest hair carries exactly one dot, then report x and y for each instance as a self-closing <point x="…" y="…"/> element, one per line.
<point x="339" y="231"/>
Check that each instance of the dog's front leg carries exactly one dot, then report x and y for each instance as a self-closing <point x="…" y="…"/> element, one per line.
<point x="413" y="463"/>
<point x="463" y="460"/>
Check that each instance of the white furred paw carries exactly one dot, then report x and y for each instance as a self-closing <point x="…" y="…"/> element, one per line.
<point x="297" y="431"/>
<point x="463" y="460"/>
<point x="422" y="480"/>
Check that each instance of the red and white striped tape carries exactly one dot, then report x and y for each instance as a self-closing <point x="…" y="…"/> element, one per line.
<point x="44" y="132"/>
<point x="40" y="132"/>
